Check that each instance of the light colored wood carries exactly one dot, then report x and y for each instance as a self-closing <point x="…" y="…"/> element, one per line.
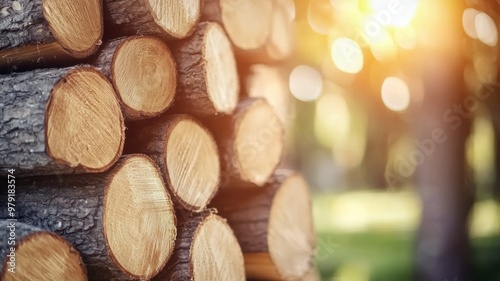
<point x="84" y="121"/>
<point x="291" y="236"/>
<point x="138" y="218"/>
<point x="260" y="266"/>
<point x="76" y="25"/>
<point x="207" y="73"/>
<point x="45" y="256"/>
<point x="176" y="17"/>
<point x="193" y="165"/>
<point x="268" y="82"/>
<point x="143" y="72"/>
<point x="247" y="22"/>
<point x="258" y="143"/>
<point x="215" y="252"/>
<point x="280" y="43"/>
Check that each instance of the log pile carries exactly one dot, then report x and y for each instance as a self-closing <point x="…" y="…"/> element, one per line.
<point x="153" y="153"/>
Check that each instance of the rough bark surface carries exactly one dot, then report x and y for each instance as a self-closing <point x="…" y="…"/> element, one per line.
<point x="23" y="100"/>
<point x="179" y="267"/>
<point x="192" y="93"/>
<point x="72" y="207"/>
<point x="22" y="23"/>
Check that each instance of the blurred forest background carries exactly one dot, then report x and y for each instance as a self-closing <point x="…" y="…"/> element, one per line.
<point x="397" y="128"/>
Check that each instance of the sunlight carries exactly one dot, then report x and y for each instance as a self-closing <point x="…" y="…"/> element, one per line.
<point x="395" y="94"/>
<point x="396" y="13"/>
<point x="486" y="29"/>
<point x="347" y="55"/>
<point x="469" y="22"/>
<point x="306" y="83"/>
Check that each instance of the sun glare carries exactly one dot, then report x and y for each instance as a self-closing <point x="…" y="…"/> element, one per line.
<point x="306" y="83"/>
<point x="347" y="55"/>
<point x="395" y="94"/>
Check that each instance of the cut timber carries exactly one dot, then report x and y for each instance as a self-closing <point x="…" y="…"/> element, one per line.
<point x="143" y="72"/>
<point x="312" y="275"/>
<point x="207" y="75"/>
<point x="279" y="44"/>
<point x="37" y="255"/>
<point x="185" y="152"/>
<point x="251" y="143"/>
<point x="246" y="22"/>
<point x="122" y="222"/>
<point x="59" y="121"/>
<point x="39" y="30"/>
<point x="206" y="249"/>
<point x="273" y="226"/>
<point x="165" y="18"/>
<point x="268" y="82"/>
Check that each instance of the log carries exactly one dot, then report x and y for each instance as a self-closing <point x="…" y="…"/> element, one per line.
<point x="279" y="44"/>
<point x="30" y="253"/>
<point x="143" y="73"/>
<point x="207" y="75"/>
<point x="122" y="222"/>
<point x="273" y="226"/>
<point x="250" y="142"/>
<point x="33" y="31"/>
<point x="59" y="121"/>
<point x="269" y="82"/>
<point x="206" y="249"/>
<point x="186" y="153"/>
<point x="239" y="19"/>
<point x="163" y="18"/>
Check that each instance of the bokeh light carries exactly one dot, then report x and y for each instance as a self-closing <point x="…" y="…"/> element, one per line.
<point x="469" y="22"/>
<point x="406" y="38"/>
<point x="347" y="55"/>
<point x="486" y="29"/>
<point x="306" y="83"/>
<point x="395" y="94"/>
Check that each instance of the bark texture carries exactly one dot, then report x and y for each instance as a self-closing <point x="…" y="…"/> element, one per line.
<point x="179" y="267"/>
<point x="23" y="101"/>
<point x="192" y="93"/>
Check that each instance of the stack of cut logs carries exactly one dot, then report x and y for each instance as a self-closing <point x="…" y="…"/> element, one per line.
<point x="142" y="139"/>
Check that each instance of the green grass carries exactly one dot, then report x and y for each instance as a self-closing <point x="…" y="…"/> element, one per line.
<point x="373" y="256"/>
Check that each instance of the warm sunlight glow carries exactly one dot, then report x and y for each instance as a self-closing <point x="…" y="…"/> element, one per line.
<point x="469" y="22"/>
<point x="332" y="120"/>
<point x="406" y="38"/>
<point x="347" y="55"/>
<point x="320" y="16"/>
<point x="395" y="94"/>
<point x="486" y="29"/>
<point x="398" y="13"/>
<point x="306" y="83"/>
<point x="383" y="48"/>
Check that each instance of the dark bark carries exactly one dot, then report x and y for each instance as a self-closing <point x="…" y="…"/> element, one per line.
<point x="179" y="267"/>
<point x="23" y="232"/>
<point x="192" y="92"/>
<point x="132" y="17"/>
<point x="24" y="98"/>
<point x="150" y="137"/>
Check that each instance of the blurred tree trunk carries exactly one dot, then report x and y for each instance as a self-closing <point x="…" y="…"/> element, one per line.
<point x="441" y="126"/>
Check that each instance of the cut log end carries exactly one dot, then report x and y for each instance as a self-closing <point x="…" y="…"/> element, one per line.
<point x="46" y="256"/>
<point x="258" y="143"/>
<point x="280" y="45"/>
<point x="177" y="18"/>
<point x="144" y="75"/>
<point x="76" y="25"/>
<point x="214" y="244"/>
<point x="290" y="216"/>
<point x="222" y="75"/>
<point x="239" y="18"/>
<point x="84" y="122"/>
<point x="192" y="162"/>
<point x="139" y="220"/>
<point x="268" y="82"/>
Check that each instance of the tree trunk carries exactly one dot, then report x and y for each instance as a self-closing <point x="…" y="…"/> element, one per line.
<point x="441" y="128"/>
<point x="250" y="144"/>
<point x="273" y="226"/>
<point x="143" y="73"/>
<point x="235" y="17"/>
<point x="206" y="249"/>
<point x="207" y="76"/>
<point x="59" y="121"/>
<point x="104" y="217"/>
<point x="166" y="19"/>
<point x="33" y="31"/>
<point x="185" y="152"/>
<point x="30" y="253"/>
